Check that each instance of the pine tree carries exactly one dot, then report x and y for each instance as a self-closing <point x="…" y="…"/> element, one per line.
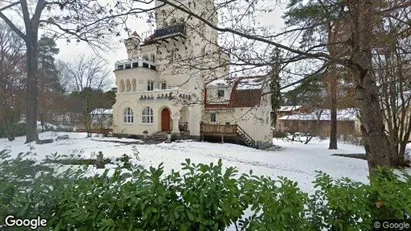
<point x="49" y="87"/>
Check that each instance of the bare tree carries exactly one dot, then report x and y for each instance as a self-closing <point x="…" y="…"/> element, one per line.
<point x="393" y="71"/>
<point x="11" y="80"/>
<point x="80" y="20"/>
<point x="88" y="78"/>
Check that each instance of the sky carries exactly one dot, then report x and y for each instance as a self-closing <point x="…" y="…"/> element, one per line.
<point x="72" y="50"/>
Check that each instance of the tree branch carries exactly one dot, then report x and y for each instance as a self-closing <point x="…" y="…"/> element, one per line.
<point x="9" y="6"/>
<point x="317" y="55"/>
<point x="13" y="27"/>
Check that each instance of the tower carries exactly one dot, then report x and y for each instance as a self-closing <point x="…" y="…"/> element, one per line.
<point x="183" y="42"/>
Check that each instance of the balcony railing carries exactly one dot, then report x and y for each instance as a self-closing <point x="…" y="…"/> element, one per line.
<point x="166" y="94"/>
<point x="131" y="64"/>
<point x="166" y="32"/>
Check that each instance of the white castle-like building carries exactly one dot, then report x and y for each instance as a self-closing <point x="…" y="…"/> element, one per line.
<point x="172" y="82"/>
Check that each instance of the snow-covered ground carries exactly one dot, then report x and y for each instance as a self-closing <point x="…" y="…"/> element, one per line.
<point x="294" y="160"/>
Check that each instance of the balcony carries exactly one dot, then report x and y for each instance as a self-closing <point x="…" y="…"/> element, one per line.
<point x="165" y="33"/>
<point x="166" y="94"/>
<point x="134" y="63"/>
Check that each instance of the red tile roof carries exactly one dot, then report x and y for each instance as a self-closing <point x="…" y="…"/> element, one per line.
<point x="240" y="97"/>
<point x="247" y="98"/>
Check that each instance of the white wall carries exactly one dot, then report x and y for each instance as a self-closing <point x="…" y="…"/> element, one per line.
<point x="138" y="127"/>
<point x="255" y="121"/>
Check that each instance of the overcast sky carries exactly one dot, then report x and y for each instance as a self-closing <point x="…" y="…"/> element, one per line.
<point x="71" y="51"/>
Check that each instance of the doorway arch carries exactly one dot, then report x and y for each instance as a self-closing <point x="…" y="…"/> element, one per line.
<point x="165" y="120"/>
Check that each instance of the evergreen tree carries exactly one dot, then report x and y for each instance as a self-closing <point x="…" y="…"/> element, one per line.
<point x="49" y="87"/>
<point x="275" y="86"/>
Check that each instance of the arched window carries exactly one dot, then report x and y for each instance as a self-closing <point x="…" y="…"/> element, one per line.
<point x="147" y="117"/>
<point x="128" y="116"/>
<point x="134" y="85"/>
<point x="122" y="86"/>
<point x="128" y="85"/>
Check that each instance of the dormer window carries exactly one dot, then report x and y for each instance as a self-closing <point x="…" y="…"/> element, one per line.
<point x="128" y="66"/>
<point x="135" y="65"/>
<point x="120" y="67"/>
<point x="213" y="117"/>
<point x="220" y="93"/>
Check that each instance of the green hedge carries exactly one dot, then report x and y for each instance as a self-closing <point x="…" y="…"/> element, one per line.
<point x="199" y="197"/>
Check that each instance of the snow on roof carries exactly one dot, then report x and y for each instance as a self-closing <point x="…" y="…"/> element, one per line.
<point x="219" y="83"/>
<point x="349" y="114"/>
<point x="255" y="83"/>
<point x="289" y="108"/>
<point x="102" y="111"/>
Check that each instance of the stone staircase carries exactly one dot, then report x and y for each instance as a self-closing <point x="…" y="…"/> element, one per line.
<point x="158" y="137"/>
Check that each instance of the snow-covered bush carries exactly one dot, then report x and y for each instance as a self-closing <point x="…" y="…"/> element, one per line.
<point x="199" y="197"/>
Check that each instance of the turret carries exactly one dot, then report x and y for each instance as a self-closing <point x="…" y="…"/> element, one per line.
<point x="133" y="45"/>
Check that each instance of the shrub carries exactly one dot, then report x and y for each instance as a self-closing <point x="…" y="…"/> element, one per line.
<point x="199" y="197"/>
<point x="19" y="129"/>
<point x="279" y="134"/>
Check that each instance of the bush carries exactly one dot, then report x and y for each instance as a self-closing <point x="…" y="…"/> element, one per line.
<point x="279" y="134"/>
<point x="199" y="197"/>
<point x="19" y="130"/>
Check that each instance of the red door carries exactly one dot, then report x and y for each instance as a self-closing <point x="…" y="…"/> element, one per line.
<point x="165" y="120"/>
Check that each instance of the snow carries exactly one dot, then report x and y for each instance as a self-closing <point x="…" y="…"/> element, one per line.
<point x="102" y="111"/>
<point x="296" y="161"/>
<point x="349" y="114"/>
<point x="123" y="140"/>
<point x="288" y="108"/>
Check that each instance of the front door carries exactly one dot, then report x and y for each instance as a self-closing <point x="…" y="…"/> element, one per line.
<point x="165" y="120"/>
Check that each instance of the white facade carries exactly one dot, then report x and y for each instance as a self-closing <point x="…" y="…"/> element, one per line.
<point x="161" y="84"/>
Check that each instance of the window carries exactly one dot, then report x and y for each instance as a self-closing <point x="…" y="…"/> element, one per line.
<point x="135" y="65"/>
<point x="150" y="86"/>
<point x="120" y="67"/>
<point x="128" y="116"/>
<point x="213" y="117"/>
<point x="128" y="66"/>
<point x="220" y="94"/>
<point x="163" y="85"/>
<point x="147" y="116"/>
<point x="122" y="86"/>
<point x="153" y="58"/>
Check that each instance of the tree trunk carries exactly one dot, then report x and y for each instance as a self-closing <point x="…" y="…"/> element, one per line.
<point x="333" y="109"/>
<point x="378" y="151"/>
<point x="32" y="70"/>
